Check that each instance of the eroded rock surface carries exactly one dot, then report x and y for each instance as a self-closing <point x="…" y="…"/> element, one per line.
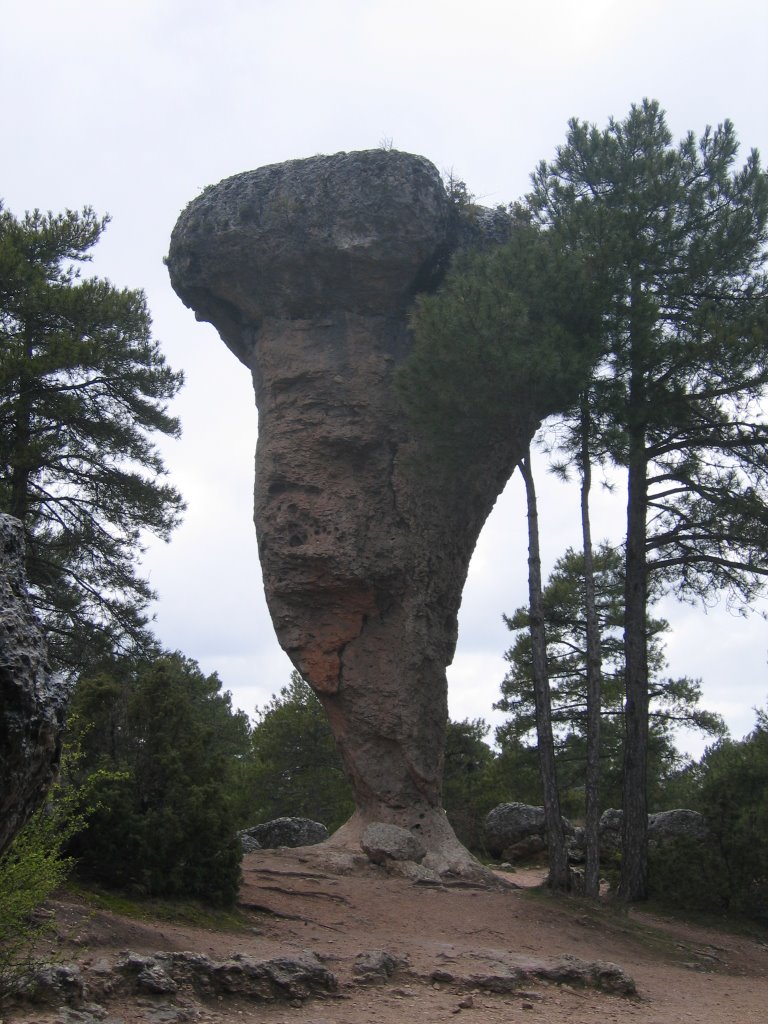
<point x="381" y="842"/>
<point x="307" y="270"/>
<point x="32" y="698"/>
<point x="271" y="835"/>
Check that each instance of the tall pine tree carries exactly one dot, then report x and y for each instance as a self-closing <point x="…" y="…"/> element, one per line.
<point x="677" y="235"/>
<point x="83" y="391"/>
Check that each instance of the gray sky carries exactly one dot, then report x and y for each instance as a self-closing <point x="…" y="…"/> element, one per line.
<point x="135" y="107"/>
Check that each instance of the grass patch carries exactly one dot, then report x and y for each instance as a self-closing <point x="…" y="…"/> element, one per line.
<point x="664" y="938"/>
<point x="188" y="912"/>
<point x="730" y="923"/>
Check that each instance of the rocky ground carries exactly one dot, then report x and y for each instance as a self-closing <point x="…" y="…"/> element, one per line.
<point x="331" y="942"/>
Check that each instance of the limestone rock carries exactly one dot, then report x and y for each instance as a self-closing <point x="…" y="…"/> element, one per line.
<point x="516" y="828"/>
<point x="667" y="826"/>
<point x="307" y="270"/>
<point x="376" y="965"/>
<point x="562" y="970"/>
<point x="32" y="698"/>
<point x="284" y="832"/>
<point x="382" y="842"/>
<point x="295" y="976"/>
<point x="248" y="843"/>
<point x="610" y="832"/>
<point x="663" y="827"/>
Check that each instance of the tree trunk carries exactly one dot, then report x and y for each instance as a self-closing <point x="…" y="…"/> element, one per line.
<point x="634" y="863"/>
<point x="559" y="875"/>
<point x="22" y="434"/>
<point x="594" y="675"/>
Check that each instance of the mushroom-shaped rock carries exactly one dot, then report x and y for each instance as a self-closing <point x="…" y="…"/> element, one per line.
<point x="307" y="270"/>
<point x="32" y="698"/>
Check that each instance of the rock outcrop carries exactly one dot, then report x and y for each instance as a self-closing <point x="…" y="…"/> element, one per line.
<point x="32" y="698"/>
<point x="176" y="986"/>
<point x="664" y="828"/>
<point x="307" y="269"/>
<point x="515" y="831"/>
<point x="291" y="832"/>
<point x="381" y="842"/>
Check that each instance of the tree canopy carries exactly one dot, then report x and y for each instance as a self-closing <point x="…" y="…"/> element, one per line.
<point x="632" y="296"/>
<point x="677" y="237"/>
<point x="162" y="748"/>
<point x="84" y="390"/>
<point x="674" y="702"/>
<point x="506" y="340"/>
<point x="295" y="767"/>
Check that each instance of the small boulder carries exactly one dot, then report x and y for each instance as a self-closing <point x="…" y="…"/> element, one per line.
<point x="248" y="842"/>
<point x="610" y="832"/>
<point x="283" y="832"/>
<point x="663" y="827"/>
<point x="382" y="842"/>
<point x="515" y="831"/>
<point x="667" y="826"/>
<point x="525" y="849"/>
<point x="376" y="965"/>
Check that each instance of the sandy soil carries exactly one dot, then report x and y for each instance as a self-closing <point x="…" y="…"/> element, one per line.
<point x="296" y="901"/>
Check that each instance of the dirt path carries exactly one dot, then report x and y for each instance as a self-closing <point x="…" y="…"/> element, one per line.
<point x="452" y="941"/>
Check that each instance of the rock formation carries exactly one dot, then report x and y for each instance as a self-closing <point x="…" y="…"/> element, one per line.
<point x="307" y="269"/>
<point x="32" y="699"/>
<point x="291" y="832"/>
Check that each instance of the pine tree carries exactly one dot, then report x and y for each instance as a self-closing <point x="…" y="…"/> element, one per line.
<point x="162" y="751"/>
<point x="675" y="702"/>
<point x="295" y="768"/>
<point x="677" y="236"/>
<point x="83" y="390"/>
<point x="559" y="873"/>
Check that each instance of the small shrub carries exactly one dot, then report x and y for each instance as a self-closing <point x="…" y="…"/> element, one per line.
<point x="689" y="875"/>
<point x="161" y="742"/>
<point x="31" y="870"/>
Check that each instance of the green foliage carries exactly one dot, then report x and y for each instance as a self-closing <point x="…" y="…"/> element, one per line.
<point x="506" y="340"/>
<point x="729" y="873"/>
<point x="164" y="817"/>
<point x="733" y="797"/>
<point x="83" y="389"/>
<point x="471" y="785"/>
<point x="689" y="875"/>
<point x="675" y="701"/>
<point x="677" y="235"/>
<point x="33" y="868"/>
<point x="295" y="767"/>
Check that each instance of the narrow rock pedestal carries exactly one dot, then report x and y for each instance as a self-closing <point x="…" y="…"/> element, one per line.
<point x="307" y="269"/>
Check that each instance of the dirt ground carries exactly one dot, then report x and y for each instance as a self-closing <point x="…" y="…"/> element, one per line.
<point x="450" y="938"/>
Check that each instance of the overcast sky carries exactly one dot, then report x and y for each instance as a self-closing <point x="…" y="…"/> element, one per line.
<point x="135" y="107"/>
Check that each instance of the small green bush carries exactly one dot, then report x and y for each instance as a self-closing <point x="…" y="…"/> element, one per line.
<point x="689" y="875"/>
<point x="31" y="870"/>
<point x="161" y="742"/>
<point x="728" y="873"/>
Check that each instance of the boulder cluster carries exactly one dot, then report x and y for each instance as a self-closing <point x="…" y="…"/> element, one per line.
<point x="516" y="831"/>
